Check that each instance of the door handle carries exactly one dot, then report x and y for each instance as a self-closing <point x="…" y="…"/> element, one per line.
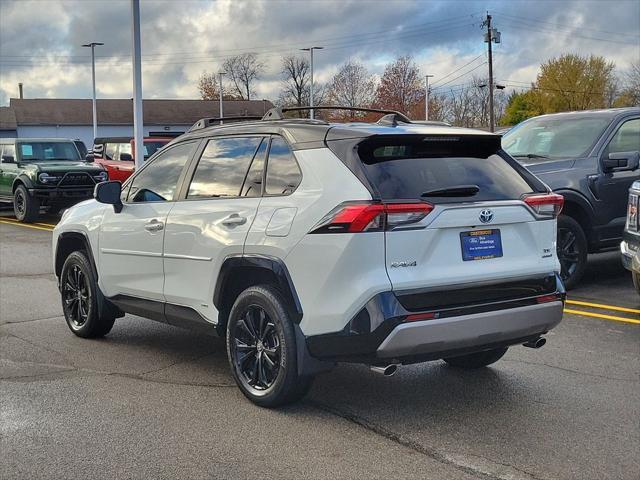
<point x="234" y="219"/>
<point x="154" y="226"/>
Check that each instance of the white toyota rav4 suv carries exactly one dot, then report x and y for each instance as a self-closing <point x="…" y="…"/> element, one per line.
<point x="306" y="243"/>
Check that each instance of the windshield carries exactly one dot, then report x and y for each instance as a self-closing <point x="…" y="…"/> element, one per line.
<point x="151" y="147"/>
<point x="47" y="151"/>
<point x="549" y="138"/>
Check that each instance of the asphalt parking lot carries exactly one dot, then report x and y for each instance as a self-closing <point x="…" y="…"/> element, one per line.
<point x="153" y="401"/>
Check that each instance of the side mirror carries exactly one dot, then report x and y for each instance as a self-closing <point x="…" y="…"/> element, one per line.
<point x="89" y="157"/>
<point x="8" y="159"/>
<point x="621" y="161"/>
<point x="109" y="193"/>
<point x="126" y="157"/>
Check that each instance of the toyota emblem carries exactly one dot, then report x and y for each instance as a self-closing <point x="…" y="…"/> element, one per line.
<point x="486" y="216"/>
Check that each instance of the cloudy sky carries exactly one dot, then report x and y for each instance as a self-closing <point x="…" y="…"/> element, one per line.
<point x="40" y="40"/>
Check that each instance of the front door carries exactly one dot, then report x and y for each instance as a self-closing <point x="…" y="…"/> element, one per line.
<point x="212" y="222"/>
<point x="131" y="241"/>
<point x="613" y="187"/>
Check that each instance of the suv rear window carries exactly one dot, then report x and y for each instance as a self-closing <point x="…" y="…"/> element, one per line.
<point x="409" y="167"/>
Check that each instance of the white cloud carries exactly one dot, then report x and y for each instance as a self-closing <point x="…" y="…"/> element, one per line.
<point x="40" y="40"/>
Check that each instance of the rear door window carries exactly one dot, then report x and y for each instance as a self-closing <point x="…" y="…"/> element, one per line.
<point x="412" y="167"/>
<point x="223" y="167"/>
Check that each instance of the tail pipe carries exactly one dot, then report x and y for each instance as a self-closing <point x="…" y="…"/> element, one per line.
<point x="535" y="343"/>
<point x="386" y="370"/>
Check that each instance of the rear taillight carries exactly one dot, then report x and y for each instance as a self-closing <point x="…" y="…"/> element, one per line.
<point x="549" y="204"/>
<point x="354" y="217"/>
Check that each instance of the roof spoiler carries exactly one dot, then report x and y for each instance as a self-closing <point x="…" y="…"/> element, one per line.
<point x="390" y="118"/>
<point x="211" y="121"/>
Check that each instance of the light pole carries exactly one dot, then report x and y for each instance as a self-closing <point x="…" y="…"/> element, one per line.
<point x="93" y="81"/>
<point x="426" y="96"/>
<point x="310" y="50"/>
<point x="220" y="93"/>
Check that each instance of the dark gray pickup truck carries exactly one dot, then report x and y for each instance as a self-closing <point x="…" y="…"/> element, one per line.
<point x="591" y="158"/>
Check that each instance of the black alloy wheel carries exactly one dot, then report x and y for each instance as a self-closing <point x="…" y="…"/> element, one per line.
<point x="25" y="207"/>
<point x="568" y="253"/>
<point x="262" y="348"/>
<point x="256" y="348"/>
<point x="571" y="245"/>
<point x="76" y="297"/>
<point x="20" y="204"/>
<point x="85" y="316"/>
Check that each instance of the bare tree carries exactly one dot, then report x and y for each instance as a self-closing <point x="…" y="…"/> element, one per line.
<point x="243" y="70"/>
<point x="296" y="78"/>
<point x="295" y="83"/>
<point x="352" y="86"/>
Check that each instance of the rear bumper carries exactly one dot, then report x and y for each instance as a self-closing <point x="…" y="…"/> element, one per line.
<point x="468" y="331"/>
<point x="388" y="327"/>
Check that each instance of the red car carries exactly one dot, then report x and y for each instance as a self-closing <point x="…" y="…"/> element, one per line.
<point x="116" y="154"/>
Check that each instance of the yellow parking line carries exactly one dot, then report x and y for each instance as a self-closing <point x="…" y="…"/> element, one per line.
<point x="600" y="315"/>
<point x="27" y="225"/>
<point x="13" y="220"/>
<point x="602" y="305"/>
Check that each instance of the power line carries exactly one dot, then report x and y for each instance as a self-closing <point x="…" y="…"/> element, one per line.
<point x="461" y="75"/>
<point x="266" y="54"/>
<point x="457" y="70"/>
<point x="413" y="30"/>
<point x="522" y="24"/>
<point x="566" y="26"/>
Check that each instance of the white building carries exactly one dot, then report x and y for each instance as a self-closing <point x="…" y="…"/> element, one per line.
<point x="72" y="118"/>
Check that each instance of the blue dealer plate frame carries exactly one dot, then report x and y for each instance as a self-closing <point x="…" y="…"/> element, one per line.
<point x="481" y="244"/>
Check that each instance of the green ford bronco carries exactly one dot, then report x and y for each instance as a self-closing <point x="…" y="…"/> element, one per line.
<point x="39" y="172"/>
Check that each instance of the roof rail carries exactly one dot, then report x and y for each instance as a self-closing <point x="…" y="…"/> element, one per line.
<point x="391" y="116"/>
<point x="211" y="121"/>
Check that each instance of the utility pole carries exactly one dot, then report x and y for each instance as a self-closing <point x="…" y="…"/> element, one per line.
<point x="92" y="45"/>
<point x="220" y="94"/>
<point x="426" y="96"/>
<point x="138" y="121"/>
<point x="492" y="35"/>
<point x="310" y="50"/>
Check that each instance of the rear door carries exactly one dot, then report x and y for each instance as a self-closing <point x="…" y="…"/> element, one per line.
<point x="479" y="229"/>
<point x="8" y="168"/>
<point x="131" y="241"/>
<point x="211" y="221"/>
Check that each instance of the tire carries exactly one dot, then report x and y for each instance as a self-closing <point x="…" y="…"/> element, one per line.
<point x="636" y="281"/>
<point x="572" y="249"/>
<point x="261" y="347"/>
<point x="79" y="292"/>
<point x="477" y="360"/>
<point x="25" y="207"/>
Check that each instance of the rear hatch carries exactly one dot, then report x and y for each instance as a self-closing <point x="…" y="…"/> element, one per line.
<point x="478" y="217"/>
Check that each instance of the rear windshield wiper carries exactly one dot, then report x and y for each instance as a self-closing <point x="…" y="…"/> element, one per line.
<point x="455" y="191"/>
<point x="530" y="155"/>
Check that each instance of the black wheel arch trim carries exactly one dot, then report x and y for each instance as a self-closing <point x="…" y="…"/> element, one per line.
<point x="269" y="263"/>
<point x="22" y="179"/>
<point x="579" y="199"/>
<point x="104" y="305"/>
